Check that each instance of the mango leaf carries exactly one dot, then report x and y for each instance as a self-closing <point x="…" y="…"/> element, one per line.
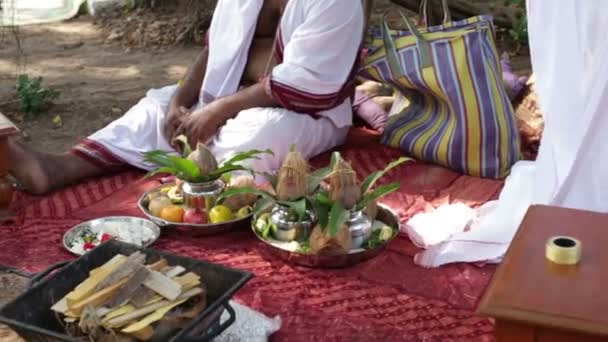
<point x="268" y="231"/>
<point x="337" y="217"/>
<point x="244" y="190"/>
<point x="379" y="192"/>
<point x="163" y="169"/>
<point x="224" y="170"/>
<point x="184" y="141"/>
<point x="375" y="176"/>
<point x="262" y="205"/>
<point x="272" y="178"/>
<point x="226" y="177"/>
<point x="160" y="158"/>
<point x="252" y="154"/>
<point x="322" y="197"/>
<point x="187" y="169"/>
<point x="317" y="176"/>
<point x="322" y="211"/>
<point x="298" y="207"/>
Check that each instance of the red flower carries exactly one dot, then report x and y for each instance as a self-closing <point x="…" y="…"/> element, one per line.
<point x="105" y="237"/>
<point x="88" y="246"/>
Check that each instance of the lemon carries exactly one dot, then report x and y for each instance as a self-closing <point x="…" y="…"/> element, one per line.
<point x="386" y="233"/>
<point x="244" y="211"/>
<point x="220" y="213"/>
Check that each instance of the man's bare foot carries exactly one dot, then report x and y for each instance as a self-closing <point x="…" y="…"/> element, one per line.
<point x="28" y="167"/>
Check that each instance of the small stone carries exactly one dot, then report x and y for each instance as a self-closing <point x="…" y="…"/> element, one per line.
<point x="25" y="135"/>
<point x="116" y="110"/>
<point x="115" y="35"/>
<point x="57" y="121"/>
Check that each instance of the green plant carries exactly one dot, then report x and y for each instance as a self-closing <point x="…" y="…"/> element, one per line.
<point x="331" y="215"/>
<point x="189" y="171"/>
<point x="299" y="206"/>
<point x="519" y="31"/>
<point x="32" y="96"/>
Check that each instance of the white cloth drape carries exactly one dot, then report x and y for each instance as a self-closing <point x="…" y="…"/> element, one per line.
<point x="230" y="35"/>
<point x="321" y="39"/>
<point x="569" y="51"/>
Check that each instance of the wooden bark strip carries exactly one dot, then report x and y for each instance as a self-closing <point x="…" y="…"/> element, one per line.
<point x="98" y="298"/>
<point x="87" y="287"/>
<point x="124" y="319"/>
<point x="141" y="296"/>
<point x="144" y="334"/>
<point x="134" y="261"/>
<point x="102" y="311"/>
<point x="123" y="310"/>
<point x="144" y="295"/>
<point x="188" y="280"/>
<point x="159" y="265"/>
<point x="118" y="258"/>
<point x="174" y="271"/>
<point x="61" y="306"/>
<point x="130" y="287"/>
<point x="151" y="318"/>
<point x="163" y="285"/>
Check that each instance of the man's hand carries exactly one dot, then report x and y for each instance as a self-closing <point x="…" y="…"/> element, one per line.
<point x="175" y="118"/>
<point x="202" y="124"/>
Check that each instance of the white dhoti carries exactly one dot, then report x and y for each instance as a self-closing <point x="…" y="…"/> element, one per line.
<point x="141" y="130"/>
<point x="316" y="51"/>
<point x="569" y="51"/>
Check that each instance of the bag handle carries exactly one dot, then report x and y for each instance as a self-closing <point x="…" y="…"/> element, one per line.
<point x="423" y="13"/>
<point x="424" y="48"/>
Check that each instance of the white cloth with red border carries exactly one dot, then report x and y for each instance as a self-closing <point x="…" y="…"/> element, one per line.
<point x="318" y="45"/>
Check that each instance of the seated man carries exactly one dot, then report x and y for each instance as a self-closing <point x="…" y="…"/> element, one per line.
<point x="228" y="99"/>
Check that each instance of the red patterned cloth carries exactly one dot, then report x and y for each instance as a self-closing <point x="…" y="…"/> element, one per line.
<point x="387" y="298"/>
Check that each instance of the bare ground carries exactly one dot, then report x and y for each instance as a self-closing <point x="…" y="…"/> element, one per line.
<point x="98" y="81"/>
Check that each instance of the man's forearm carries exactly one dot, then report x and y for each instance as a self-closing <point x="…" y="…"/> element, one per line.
<point x="188" y="92"/>
<point x="251" y="97"/>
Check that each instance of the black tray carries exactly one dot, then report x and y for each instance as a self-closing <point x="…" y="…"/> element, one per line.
<point x="31" y="317"/>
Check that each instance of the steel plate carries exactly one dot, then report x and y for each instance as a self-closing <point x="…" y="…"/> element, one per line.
<point x="355" y="256"/>
<point x="73" y="233"/>
<point x="201" y="229"/>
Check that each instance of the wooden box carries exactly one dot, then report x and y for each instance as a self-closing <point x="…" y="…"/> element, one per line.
<point x="533" y="299"/>
<point x="7" y="129"/>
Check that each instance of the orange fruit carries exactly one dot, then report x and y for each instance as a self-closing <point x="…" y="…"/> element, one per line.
<point x="172" y="213"/>
<point x="157" y="205"/>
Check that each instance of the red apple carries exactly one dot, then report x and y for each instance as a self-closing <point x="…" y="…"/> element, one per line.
<point x="195" y="216"/>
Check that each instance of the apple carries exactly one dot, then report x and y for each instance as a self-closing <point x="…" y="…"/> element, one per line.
<point x="195" y="216"/>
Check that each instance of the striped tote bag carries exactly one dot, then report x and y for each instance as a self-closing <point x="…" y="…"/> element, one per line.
<point x="457" y="112"/>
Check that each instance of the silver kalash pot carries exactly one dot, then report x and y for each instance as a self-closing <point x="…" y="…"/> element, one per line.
<point x="202" y="195"/>
<point x="360" y="226"/>
<point x="288" y="227"/>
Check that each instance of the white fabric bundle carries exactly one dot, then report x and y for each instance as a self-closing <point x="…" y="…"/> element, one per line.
<point x="570" y="60"/>
<point x="250" y="325"/>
